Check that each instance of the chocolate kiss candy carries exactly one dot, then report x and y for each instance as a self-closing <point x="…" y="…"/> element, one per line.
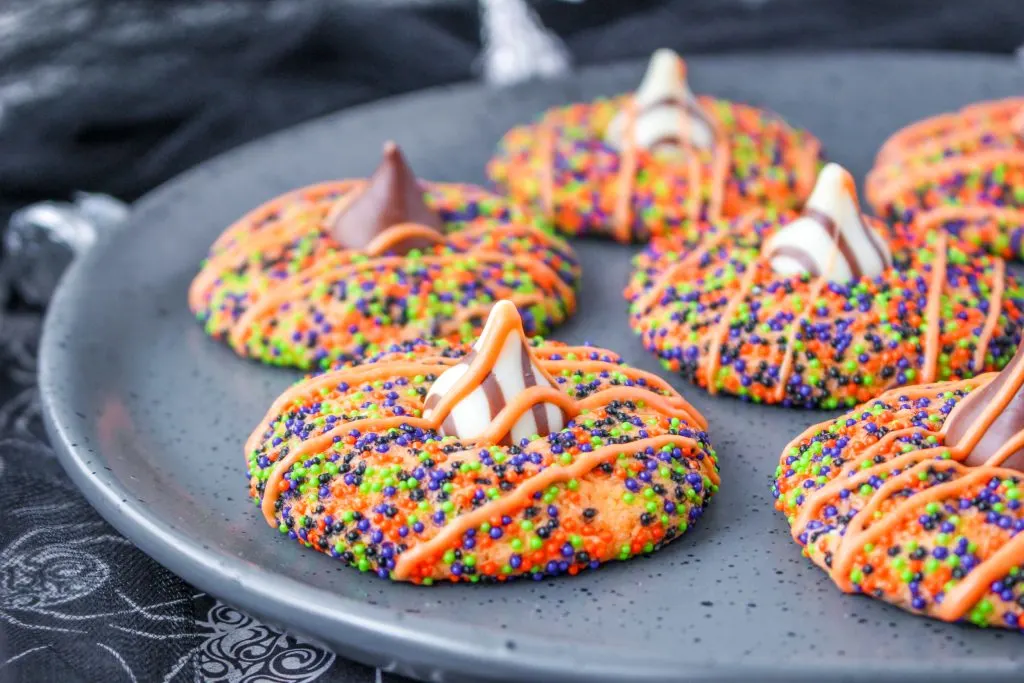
<point x="668" y="116"/>
<point x="830" y="238"/>
<point x="1008" y="422"/>
<point x="511" y="370"/>
<point x="392" y="196"/>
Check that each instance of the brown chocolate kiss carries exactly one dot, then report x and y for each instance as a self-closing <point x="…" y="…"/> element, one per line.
<point x="1006" y="425"/>
<point x="390" y="197"/>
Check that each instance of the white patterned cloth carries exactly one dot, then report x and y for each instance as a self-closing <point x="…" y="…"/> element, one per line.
<point x="79" y="603"/>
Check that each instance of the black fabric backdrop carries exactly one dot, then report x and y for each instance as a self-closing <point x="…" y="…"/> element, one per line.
<point x="118" y="95"/>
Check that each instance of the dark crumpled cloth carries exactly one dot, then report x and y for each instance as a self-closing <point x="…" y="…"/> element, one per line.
<point x="116" y="96"/>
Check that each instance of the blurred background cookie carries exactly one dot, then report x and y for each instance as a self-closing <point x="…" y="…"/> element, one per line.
<point x="330" y="272"/>
<point x="960" y="171"/>
<point x="642" y="164"/>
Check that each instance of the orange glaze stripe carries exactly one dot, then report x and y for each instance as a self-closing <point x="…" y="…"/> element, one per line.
<point x="966" y="594"/>
<point x="1007" y="449"/>
<point x="351" y="375"/>
<point x="935" y="288"/>
<point x="856" y="537"/>
<point x="721" y="331"/>
<point x="285" y="230"/>
<point x="936" y="285"/>
<point x="878" y="176"/>
<point x="546" y="181"/>
<point x="633" y="374"/>
<point x="369" y="373"/>
<point x="549" y="476"/>
<point x="300" y="284"/>
<point x="934" y="218"/>
<point x="582" y="352"/>
<point x="996" y="405"/>
<point x="622" y="217"/>
<point x="676" y="269"/>
<point x="812" y="296"/>
<point x="853" y="468"/>
<point x="324" y="441"/>
<point x="506" y="321"/>
<point x="995" y="309"/>
<point x="851" y="480"/>
<point x="932" y="172"/>
<point x="398" y="234"/>
<point x="910" y="138"/>
<point x="819" y="427"/>
<point x="312" y="194"/>
<point x="234" y="249"/>
<point x="961" y="598"/>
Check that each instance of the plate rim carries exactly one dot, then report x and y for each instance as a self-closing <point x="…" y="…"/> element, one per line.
<point x="376" y="632"/>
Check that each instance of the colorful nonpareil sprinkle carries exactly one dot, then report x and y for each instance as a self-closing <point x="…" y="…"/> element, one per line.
<point x="962" y="172"/>
<point x="710" y="307"/>
<point x="278" y="288"/>
<point x="561" y="165"/>
<point x="883" y="501"/>
<point x="346" y="463"/>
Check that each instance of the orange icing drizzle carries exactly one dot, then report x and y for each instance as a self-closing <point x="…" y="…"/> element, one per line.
<point x="813" y="293"/>
<point x="936" y="285"/>
<point x="370" y="373"/>
<point x="815" y="428"/>
<point x="931" y="310"/>
<point x="301" y="283"/>
<point x="309" y="194"/>
<point x="398" y="234"/>
<point x="553" y="474"/>
<point x="237" y="240"/>
<point x="506" y="321"/>
<point x="677" y="269"/>
<point x="546" y="179"/>
<point x="965" y="594"/>
<point x="918" y="136"/>
<point x="934" y="218"/>
<point x="622" y="217"/>
<point x="844" y="556"/>
<point x="995" y="308"/>
<point x="721" y="330"/>
<point x="933" y="135"/>
<point x="883" y="193"/>
<point x="786" y="367"/>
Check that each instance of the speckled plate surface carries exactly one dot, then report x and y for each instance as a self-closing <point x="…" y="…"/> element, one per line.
<point x="149" y="417"/>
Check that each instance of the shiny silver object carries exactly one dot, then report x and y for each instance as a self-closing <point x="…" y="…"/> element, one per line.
<point x="517" y="46"/>
<point x="42" y="239"/>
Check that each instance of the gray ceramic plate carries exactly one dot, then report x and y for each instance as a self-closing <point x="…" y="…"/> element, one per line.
<point x="149" y="417"/>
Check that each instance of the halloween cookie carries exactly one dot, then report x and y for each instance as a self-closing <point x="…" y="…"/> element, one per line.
<point x="327" y="273"/>
<point x="916" y="498"/>
<point x="511" y="457"/>
<point x="817" y="309"/>
<point x="644" y="163"/>
<point x="962" y="172"/>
